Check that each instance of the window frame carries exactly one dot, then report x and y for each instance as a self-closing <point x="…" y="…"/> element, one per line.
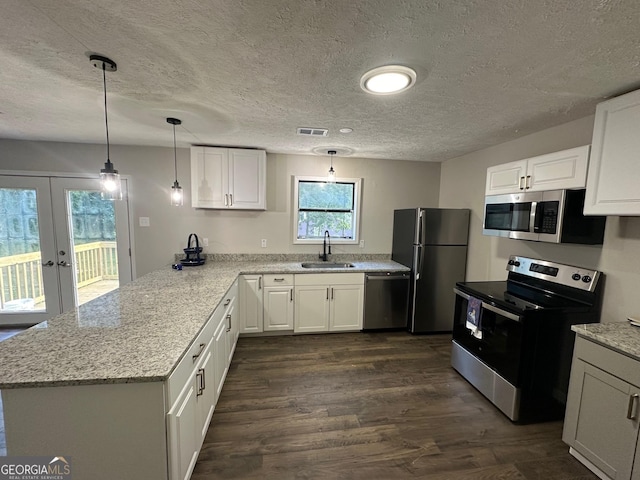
<point x="357" y="211"/>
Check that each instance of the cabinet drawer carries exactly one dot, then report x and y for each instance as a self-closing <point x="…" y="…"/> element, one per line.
<point x="330" y="279"/>
<point x="182" y="373"/>
<point x="610" y="361"/>
<point x="277" y="280"/>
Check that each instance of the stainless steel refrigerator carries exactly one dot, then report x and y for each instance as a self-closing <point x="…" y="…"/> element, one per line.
<point x="433" y="243"/>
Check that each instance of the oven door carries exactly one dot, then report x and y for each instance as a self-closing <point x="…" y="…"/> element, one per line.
<point x="501" y="346"/>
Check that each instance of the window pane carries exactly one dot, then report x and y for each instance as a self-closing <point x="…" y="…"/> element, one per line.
<point x="314" y="224"/>
<point x="21" y="285"/>
<point x="325" y="196"/>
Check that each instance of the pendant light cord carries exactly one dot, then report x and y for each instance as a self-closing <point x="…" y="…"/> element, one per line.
<point x="106" y="118"/>
<point x="175" y="155"/>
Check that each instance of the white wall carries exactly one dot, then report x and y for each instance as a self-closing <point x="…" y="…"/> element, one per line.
<point x="387" y="185"/>
<point x="462" y="185"/>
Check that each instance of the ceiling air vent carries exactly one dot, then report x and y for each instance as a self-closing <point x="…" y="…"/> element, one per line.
<point x="313" y="132"/>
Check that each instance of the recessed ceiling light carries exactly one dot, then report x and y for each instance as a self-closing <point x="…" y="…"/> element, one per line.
<point x="346" y="130"/>
<point x="388" y="80"/>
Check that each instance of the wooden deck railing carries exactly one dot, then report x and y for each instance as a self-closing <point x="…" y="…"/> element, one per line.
<point x="21" y="275"/>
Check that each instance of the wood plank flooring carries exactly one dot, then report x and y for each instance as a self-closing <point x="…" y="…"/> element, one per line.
<point x="368" y="406"/>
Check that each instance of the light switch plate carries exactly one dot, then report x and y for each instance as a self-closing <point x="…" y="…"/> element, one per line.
<point x="263" y="243"/>
<point x="144" y="221"/>
<point x="361" y="243"/>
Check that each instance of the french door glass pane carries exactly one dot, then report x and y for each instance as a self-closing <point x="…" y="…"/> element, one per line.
<point x="21" y="285"/>
<point x="92" y="230"/>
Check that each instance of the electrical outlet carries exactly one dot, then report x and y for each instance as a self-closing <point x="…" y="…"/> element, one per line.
<point x="144" y="221"/>
<point x="361" y="243"/>
<point x="263" y="243"/>
<point x="205" y="242"/>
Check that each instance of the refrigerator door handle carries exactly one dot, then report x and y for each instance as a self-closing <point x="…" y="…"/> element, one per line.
<point x="417" y="268"/>
<point x="420" y="225"/>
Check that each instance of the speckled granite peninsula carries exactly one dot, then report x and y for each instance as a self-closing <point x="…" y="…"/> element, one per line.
<point x="619" y="336"/>
<point x="139" y="332"/>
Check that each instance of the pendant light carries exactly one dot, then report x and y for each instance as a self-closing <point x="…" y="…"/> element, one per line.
<point x="177" y="196"/>
<point x="331" y="177"/>
<point x="109" y="177"/>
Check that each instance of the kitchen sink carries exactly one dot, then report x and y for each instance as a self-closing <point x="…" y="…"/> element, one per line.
<point x="326" y="265"/>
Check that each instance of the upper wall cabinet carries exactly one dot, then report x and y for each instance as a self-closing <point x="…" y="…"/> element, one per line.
<point x="614" y="167"/>
<point x="553" y="171"/>
<point x="228" y="178"/>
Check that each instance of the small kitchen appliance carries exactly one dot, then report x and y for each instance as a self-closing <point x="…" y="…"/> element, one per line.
<point x="518" y="351"/>
<point x="553" y="216"/>
<point x="192" y="252"/>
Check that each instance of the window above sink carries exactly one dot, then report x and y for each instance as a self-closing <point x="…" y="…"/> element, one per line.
<point x="321" y="206"/>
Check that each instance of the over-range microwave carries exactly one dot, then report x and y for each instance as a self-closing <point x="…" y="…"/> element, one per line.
<point x="553" y="216"/>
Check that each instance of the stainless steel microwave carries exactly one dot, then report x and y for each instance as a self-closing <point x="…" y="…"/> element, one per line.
<point x="553" y="216"/>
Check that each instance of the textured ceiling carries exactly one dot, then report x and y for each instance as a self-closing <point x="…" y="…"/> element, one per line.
<point x="248" y="72"/>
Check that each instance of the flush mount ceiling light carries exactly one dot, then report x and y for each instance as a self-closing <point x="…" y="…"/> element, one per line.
<point x="109" y="177"/>
<point x="331" y="177"/>
<point x="346" y="130"/>
<point x="177" y="197"/>
<point x="388" y="80"/>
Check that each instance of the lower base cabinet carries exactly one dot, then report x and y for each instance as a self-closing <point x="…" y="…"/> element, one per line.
<point x="329" y="302"/>
<point x="601" y="421"/>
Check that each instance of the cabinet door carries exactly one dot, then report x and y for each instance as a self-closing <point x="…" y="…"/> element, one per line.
<point x="278" y="308"/>
<point x="506" y="178"/>
<point x="205" y="387"/>
<point x="183" y="434"/>
<point x="247" y="179"/>
<point x="347" y="303"/>
<point x="230" y="320"/>
<point x="601" y="430"/>
<point x="311" y="310"/>
<point x="250" y="296"/>
<point x="614" y="169"/>
<point x="221" y="358"/>
<point x="558" y="170"/>
<point x="209" y="177"/>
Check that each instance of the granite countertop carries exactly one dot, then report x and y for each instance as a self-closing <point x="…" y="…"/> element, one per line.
<point x="137" y="333"/>
<point x="620" y="336"/>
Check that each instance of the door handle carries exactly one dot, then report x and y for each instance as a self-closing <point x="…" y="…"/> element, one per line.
<point x="199" y="375"/>
<point x="48" y="264"/>
<point x="226" y="200"/>
<point x="227" y="302"/>
<point x="231" y="199"/>
<point x="327" y="293"/>
<point x="291" y="294"/>
<point x="520" y="185"/>
<point x="527" y="184"/>
<point x="202" y="345"/>
<point x="632" y="400"/>
<point x="64" y="263"/>
<point x="229" y="320"/>
<point x="260" y="282"/>
<point x="332" y="293"/>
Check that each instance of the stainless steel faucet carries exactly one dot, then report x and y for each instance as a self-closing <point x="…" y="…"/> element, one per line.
<point x="324" y="246"/>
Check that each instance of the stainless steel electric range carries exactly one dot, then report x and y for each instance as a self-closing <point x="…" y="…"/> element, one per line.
<point x="512" y="339"/>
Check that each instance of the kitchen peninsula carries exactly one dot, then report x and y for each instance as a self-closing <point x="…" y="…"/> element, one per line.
<point x="98" y="384"/>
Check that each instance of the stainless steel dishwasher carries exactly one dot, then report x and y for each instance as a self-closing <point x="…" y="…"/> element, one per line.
<point x="386" y="300"/>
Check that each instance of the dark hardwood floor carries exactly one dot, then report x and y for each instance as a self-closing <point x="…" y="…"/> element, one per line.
<point x="367" y="406"/>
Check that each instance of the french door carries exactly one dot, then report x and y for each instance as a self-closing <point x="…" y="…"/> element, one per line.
<point x="61" y="245"/>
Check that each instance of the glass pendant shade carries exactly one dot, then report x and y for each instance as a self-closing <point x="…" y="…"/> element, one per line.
<point x="177" y="198"/>
<point x="331" y="176"/>
<point x="110" y="182"/>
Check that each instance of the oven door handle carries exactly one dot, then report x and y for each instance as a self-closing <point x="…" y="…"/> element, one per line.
<point x="488" y="306"/>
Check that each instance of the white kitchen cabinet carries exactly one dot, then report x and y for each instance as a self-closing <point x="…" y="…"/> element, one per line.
<point x="329" y="302"/>
<point x="566" y="169"/>
<point x="182" y="438"/>
<point x="278" y="303"/>
<point x="220" y="351"/>
<point x="601" y="420"/>
<point x="228" y="178"/>
<point x="614" y="169"/>
<point x="250" y="304"/>
<point x="347" y="308"/>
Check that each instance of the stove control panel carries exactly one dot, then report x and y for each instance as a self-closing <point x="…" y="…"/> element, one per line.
<point x="559" y="273"/>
